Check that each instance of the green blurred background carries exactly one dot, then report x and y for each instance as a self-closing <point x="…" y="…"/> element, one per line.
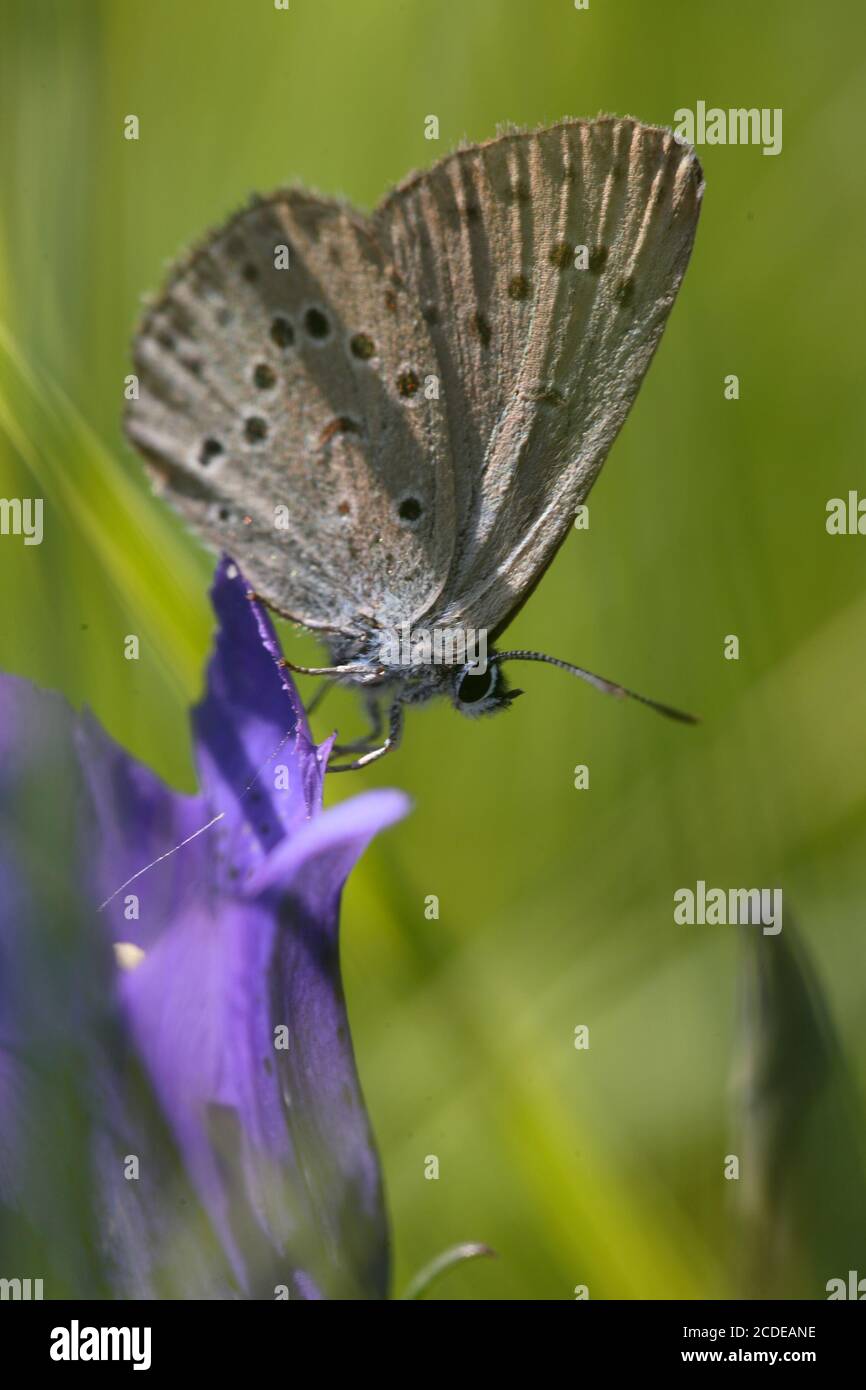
<point x="601" y="1167"/>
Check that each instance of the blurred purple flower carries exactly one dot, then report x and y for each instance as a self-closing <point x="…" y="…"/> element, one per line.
<point x="203" y="1104"/>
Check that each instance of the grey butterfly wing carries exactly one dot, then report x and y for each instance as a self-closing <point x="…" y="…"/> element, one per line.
<point x="540" y="359"/>
<point x="282" y="410"/>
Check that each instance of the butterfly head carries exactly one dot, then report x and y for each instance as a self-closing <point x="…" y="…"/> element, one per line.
<point x="480" y="690"/>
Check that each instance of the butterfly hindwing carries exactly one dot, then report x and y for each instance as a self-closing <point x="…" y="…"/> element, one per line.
<point x="283" y="411"/>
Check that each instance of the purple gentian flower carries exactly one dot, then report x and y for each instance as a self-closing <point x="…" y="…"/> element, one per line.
<point x="174" y="1045"/>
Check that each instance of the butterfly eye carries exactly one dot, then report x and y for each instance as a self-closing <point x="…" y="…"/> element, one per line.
<point x="474" y="685"/>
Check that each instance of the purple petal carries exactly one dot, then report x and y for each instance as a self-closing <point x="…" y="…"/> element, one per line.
<point x="139" y="878"/>
<point x="233" y="895"/>
<point x="159" y="852"/>
<point x="204" y="1007"/>
<point x="257" y="762"/>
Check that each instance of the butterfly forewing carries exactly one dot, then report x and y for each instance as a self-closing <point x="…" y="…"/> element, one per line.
<point x="549" y="262"/>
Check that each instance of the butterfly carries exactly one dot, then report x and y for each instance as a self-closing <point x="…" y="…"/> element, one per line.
<point x="389" y="421"/>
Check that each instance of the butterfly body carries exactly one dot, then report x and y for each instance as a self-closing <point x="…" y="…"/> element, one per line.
<point x="389" y="421"/>
<point x="397" y="665"/>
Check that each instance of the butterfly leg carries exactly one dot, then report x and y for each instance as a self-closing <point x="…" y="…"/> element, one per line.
<point x="373" y="734"/>
<point x="364" y="674"/>
<point x="395" y="729"/>
<point x="319" y="696"/>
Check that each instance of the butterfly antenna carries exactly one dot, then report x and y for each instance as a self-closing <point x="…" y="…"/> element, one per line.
<point x="599" y="682"/>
